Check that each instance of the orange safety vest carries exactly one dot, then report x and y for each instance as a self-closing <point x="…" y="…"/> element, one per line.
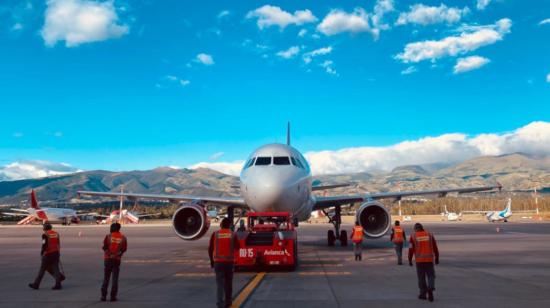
<point x="357" y="236"/>
<point x="52" y="239"/>
<point x="223" y="246"/>
<point x="423" y="247"/>
<point x="114" y="250"/>
<point x="397" y="235"/>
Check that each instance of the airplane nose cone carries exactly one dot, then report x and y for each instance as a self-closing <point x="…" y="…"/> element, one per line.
<point x="266" y="194"/>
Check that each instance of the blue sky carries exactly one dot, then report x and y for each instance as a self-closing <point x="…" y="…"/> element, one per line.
<point x="120" y="85"/>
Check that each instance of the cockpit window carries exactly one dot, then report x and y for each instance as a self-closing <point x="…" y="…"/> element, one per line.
<point x="263" y="161"/>
<point x="249" y="163"/>
<point x="296" y="162"/>
<point x="281" y="160"/>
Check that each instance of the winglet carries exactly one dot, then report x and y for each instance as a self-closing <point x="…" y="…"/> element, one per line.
<point x="288" y="133"/>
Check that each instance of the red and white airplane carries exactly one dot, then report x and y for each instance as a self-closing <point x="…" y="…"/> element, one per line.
<point x="36" y="214"/>
<point x="123" y="216"/>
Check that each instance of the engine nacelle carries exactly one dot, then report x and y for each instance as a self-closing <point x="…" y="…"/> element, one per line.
<point x="190" y="221"/>
<point x="374" y="218"/>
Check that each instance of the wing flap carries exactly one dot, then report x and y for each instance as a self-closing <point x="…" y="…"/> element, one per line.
<point x="326" y="202"/>
<point x="221" y="201"/>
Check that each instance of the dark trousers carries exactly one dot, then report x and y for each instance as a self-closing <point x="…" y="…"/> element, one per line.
<point x="425" y="271"/>
<point x="50" y="263"/>
<point x="112" y="267"/>
<point x="224" y="282"/>
<point x="399" y="252"/>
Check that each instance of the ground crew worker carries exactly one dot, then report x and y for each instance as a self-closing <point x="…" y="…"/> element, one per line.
<point x="221" y="253"/>
<point x="357" y="239"/>
<point x="398" y="238"/>
<point x="424" y="249"/>
<point x="114" y="246"/>
<point x="51" y="246"/>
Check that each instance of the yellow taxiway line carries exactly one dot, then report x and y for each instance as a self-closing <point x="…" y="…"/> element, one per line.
<point x="245" y="293"/>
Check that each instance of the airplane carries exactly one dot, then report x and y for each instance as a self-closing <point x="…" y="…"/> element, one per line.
<point x="451" y="216"/>
<point x="277" y="177"/>
<point x="44" y="214"/>
<point x="123" y="216"/>
<point x="493" y="216"/>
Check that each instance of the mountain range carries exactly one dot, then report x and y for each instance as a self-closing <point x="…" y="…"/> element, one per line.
<point x="518" y="172"/>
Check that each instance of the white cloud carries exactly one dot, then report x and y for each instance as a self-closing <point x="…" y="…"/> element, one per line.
<point x="427" y="15"/>
<point x="533" y="139"/>
<point x="381" y="8"/>
<point x="34" y="169"/>
<point x="338" y="21"/>
<point x="469" y="63"/>
<point x="216" y="155"/>
<point x="544" y="22"/>
<point x="231" y="168"/>
<point x="224" y="13"/>
<point x="80" y="21"/>
<point x="205" y="59"/>
<point x="269" y="15"/>
<point x="530" y="139"/>
<point x="289" y="53"/>
<point x="308" y="56"/>
<point x="328" y="65"/>
<point x="302" y="33"/>
<point x="174" y="79"/>
<point x="482" y="4"/>
<point x="471" y="39"/>
<point x="409" y="70"/>
<point x="548" y="78"/>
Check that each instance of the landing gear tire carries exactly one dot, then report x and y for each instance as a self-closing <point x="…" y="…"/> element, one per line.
<point x="344" y="238"/>
<point x="295" y="265"/>
<point x="331" y="238"/>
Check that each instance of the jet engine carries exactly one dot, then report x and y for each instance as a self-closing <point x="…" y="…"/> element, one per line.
<point x="190" y="221"/>
<point x="374" y="218"/>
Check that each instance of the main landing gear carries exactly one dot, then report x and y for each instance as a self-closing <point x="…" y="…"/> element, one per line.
<point x="336" y="234"/>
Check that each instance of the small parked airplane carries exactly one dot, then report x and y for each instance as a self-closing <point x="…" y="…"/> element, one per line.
<point x="451" y="216"/>
<point x="493" y="216"/>
<point x="123" y="216"/>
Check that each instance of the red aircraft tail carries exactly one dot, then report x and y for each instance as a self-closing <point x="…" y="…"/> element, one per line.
<point x="34" y="201"/>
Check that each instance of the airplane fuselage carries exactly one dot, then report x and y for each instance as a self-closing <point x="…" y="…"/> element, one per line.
<point x="276" y="177"/>
<point x="54" y="215"/>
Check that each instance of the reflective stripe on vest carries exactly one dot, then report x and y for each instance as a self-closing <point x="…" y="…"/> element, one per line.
<point x="397" y="235"/>
<point x="423" y="248"/>
<point x="357" y="236"/>
<point x="52" y="239"/>
<point x="223" y="246"/>
<point x="114" y="241"/>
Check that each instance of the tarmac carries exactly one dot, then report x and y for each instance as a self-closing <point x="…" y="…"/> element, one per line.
<point x="480" y="267"/>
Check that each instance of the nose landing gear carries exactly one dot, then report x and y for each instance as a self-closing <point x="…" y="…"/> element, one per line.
<point x="336" y="234"/>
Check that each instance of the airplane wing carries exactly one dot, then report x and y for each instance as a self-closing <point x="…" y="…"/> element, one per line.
<point x="14" y="214"/>
<point x="148" y="215"/>
<point x="323" y="187"/>
<point x="218" y="201"/>
<point x="20" y="210"/>
<point x="326" y="202"/>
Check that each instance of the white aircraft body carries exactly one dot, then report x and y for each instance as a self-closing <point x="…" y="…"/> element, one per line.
<point x="45" y="214"/>
<point x="451" y="216"/>
<point x="123" y="216"/>
<point x="493" y="216"/>
<point x="276" y="177"/>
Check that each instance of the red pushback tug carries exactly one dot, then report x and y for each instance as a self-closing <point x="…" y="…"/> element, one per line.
<point x="268" y="240"/>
